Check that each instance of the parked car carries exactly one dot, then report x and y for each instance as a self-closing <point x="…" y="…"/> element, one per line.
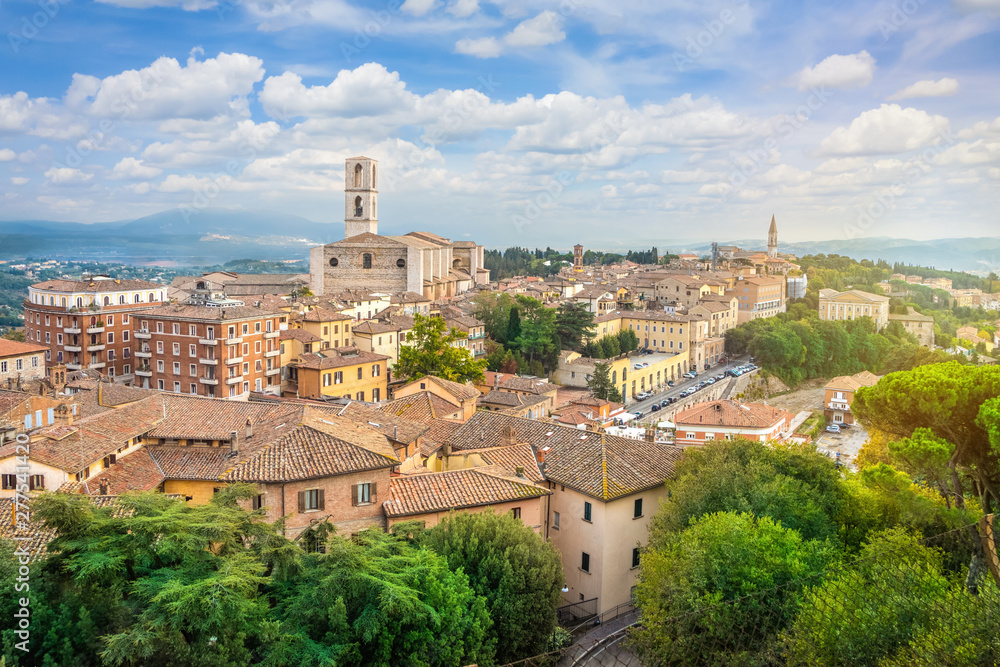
<point x="833" y="428"/>
<point x="670" y="383"/>
<point x="689" y="375"/>
<point x="655" y="407"/>
<point x="711" y="381"/>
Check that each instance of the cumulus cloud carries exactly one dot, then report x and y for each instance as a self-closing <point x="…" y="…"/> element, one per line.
<point x="851" y="71"/>
<point x="67" y="176"/>
<point x="7" y="155"/>
<point x="130" y="169"/>
<point x="418" y="7"/>
<point x="943" y="88"/>
<point x="202" y="89"/>
<point x="888" y="129"/>
<point x="463" y="8"/>
<point x="367" y="90"/>
<point x="544" y="29"/>
<point x="19" y="180"/>
<point x="186" y="5"/>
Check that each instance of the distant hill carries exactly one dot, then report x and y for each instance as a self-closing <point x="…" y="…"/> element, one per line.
<point x="960" y="254"/>
<point x="209" y="236"/>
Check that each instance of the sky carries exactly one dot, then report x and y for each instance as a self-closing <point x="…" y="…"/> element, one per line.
<point x="512" y="122"/>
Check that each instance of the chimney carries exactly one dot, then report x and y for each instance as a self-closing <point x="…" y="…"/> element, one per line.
<point x="446" y="449"/>
<point x="519" y="470"/>
<point x="540" y="455"/>
<point x="103" y="483"/>
<point x="64" y="415"/>
<point x="249" y="430"/>
<point x="496" y="380"/>
<point x="509" y="435"/>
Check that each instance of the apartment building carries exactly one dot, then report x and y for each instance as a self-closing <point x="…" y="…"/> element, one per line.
<point x="852" y="304"/>
<point x="759" y="296"/>
<point x="727" y="419"/>
<point x="383" y="336"/>
<point x="21" y="361"/>
<point x="921" y="326"/>
<point x="339" y="372"/>
<point x="838" y="394"/>
<point x="208" y="351"/>
<point x="333" y="328"/>
<point x="87" y="323"/>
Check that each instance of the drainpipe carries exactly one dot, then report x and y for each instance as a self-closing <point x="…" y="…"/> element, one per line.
<point x="283" y="508"/>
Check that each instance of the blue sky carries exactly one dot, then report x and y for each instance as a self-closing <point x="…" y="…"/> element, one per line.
<point x="607" y="122"/>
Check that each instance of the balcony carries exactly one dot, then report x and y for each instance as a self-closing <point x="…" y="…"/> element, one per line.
<point x="144" y="371"/>
<point x="273" y="371"/>
<point x="72" y="330"/>
<point x="142" y="334"/>
<point x="234" y="341"/>
<point x="72" y="366"/>
<point x="208" y="380"/>
<point x="234" y="380"/>
<point x="233" y="360"/>
<point x="271" y="334"/>
<point x="271" y="353"/>
<point x="72" y="348"/>
<point x="95" y="330"/>
<point x="95" y="348"/>
<point x="144" y="354"/>
<point x="208" y="341"/>
<point x="209" y="362"/>
<point x="97" y="365"/>
<point x="838" y="406"/>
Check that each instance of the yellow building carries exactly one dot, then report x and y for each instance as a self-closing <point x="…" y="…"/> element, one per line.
<point x="333" y="328"/>
<point x="631" y="375"/>
<point x="346" y="371"/>
<point x="853" y="304"/>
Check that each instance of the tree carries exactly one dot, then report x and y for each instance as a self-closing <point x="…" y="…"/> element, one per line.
<point x="14" y="335"/>
<point x="513" y="330"/>
<point x="378" y="600"/>
<point x="573" y="323"/>
<point x="518" y="573"/>
<point x="430" y="350"/>
<point x="538" y="340"/>
<point x="627" y="340"/>
<point x="600" y="383"/>
<point x="686" y="579"/>
<point x="610" y="347"/>
<point x="493" y="309"/>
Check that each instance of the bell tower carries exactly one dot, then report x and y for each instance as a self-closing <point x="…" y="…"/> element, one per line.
<point x="772" y="239"/>
<point x="360" y="196"/>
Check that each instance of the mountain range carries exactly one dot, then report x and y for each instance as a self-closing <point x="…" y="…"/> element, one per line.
<point x="216" y="235"/>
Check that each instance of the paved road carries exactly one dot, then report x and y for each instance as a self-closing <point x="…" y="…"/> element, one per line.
<point x="645" y="405"/>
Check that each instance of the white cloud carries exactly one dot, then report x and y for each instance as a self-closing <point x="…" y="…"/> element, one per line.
<point x="202" y="89"/>
<point x="67" y="176"/>
<point x="546" y="28"/>
<point x="367" y="90"/>
<point x="943" y="88"/>
<point x="851" y="71"/>
<point x="7" y="155"/>
<point x="19" y="180"/>
<point x="186" y="5"/>
<point x="418" y="7"/>
<point x="130" y="169"/>
<point x="463" y="8"/>
<point x="888" y="129"/>
<point x="484" y="47"/>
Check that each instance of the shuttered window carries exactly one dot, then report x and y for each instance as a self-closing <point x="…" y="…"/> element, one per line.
<point x="311" y="500"/>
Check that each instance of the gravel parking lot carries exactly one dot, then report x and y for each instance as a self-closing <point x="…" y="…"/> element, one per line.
<point x="847" y="443"/>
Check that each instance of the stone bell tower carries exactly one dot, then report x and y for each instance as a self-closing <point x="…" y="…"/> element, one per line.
<point x="361" y="196"/>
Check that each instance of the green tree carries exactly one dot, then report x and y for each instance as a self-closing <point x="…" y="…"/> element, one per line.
<point x="377" y="600"/>
<point x="687" y="578"/>
<point x="600" y="383"/>
<point x="627" y="340"/>
<point x="610" y="347"/>
<point x="518" y="573"/>
<point x="573" y="323"/>
<point x="430" y="350"/>
<point x="14" y="335"/>
<point x="513" y="331"/>
<point x="493" y="310"/>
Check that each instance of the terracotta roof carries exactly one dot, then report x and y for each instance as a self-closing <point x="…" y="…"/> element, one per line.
<point x="202" y="313"/>
<point x="508" y="458"/>
<point x="97" y="286"/>
<point x="39" y="536"/>
<point x="496" y="397"/>
<point x="11" y="399"/>
<point x="727" y="412"/>
<point x="299" y="335"/>
<point x="456" y="489"/>
<point x="390" y="425"/>
<point x="422" y="407"/>
<point x="439" y="431"/>
<point x="325" y="446"/>
<point x="323" y="315"/>
<point x="852" y="382"/>
<point x="193" y="418"/>
<point x="137" y="471"/>
<point x="603" y="466"/>
<point x="459" y="391"/>
<point x="191" y="462"/>
<point x="528" y="385"/>
<point x="338" y="357"/>
<point x="15" y="348"/>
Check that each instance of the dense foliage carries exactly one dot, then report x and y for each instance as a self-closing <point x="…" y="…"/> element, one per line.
<point x="431" y="350"/>
<point x="156" y="582"/>
<point x="600" y="383"/>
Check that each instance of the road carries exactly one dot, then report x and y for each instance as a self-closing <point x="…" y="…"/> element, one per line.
<point x="645" y="405"/>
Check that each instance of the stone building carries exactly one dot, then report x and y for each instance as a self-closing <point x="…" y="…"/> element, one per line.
<point x="418" y="262"/>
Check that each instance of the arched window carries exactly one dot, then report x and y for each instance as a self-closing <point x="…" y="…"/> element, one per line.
<point x="152" y="298"/>
<point x="136" y="298"/>
<point x="614" y="377"/>
<point x="366" y="260"/>
<point x="357" y="175"/>
<point x="79" y="302"/>
<point x="93" y="321"/>
<point x="358" y="208"/>
<point x="121" y="299"/>
<point x="199" y="285"/>
<point x="64" y="302"/>
<point x="107" y="301"/>
<point x="52" y="301"/>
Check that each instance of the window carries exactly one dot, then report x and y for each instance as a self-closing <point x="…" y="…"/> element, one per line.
<point x="126" y="337"/>
<point x="360" y="396"/>
<point x="177" y="368"/>
<point x="258" y="501"/>
<point x="159" y="366"/>
<point x="635" y="557"/>
<point x="193" y="370"/>
<point x="338" y="377"/>
<point x="177" y="387"/>
<point x="360" y="372"/>
<point x="311" y="500"/>
<point x="127" y="352"/>
<point x="689" y="436"/>
<point x="363" y="494"/>
<point x="159" y="384"/>
<point x="555" y="520"/>
<point x="246" y="328"/>
<point x="376" y="371"/>
<point x="376" y="395"/>
<point x="192" y="388"/>
<point x="9" y="482"/>
<point x="588" y="511"/>
<point x="246" y="349"/>
<point x="637" y="511"/>
<point x="176" y="328"/>
<point x="177" y="349"/>
<point x="366" y="260"/>
<point x="585" y="561"/>
<point x="326" y="379"/>
<point x="192" y="350"/>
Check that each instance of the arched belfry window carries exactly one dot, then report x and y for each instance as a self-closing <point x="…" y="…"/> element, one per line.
<point x="357" y="175"/>
<point x="374" y="182"/>
<point x="366" y="260"/>
<point x="358" y="209"/>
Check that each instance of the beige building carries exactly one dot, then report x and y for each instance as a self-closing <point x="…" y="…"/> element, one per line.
<point x="21" y="361"/>
<point x="921" y="326"/>
<point x="852" y="304"/>
<point x="630" y="374"/>
<point x="759" y="296"/>
<point x="838" y="395"/>
<point x="727" y="419"/>
<point x="383" y="336"/>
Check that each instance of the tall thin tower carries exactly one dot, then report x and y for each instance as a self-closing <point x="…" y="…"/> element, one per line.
<point x="772" y="239"/>
<point x="360" y="196"/>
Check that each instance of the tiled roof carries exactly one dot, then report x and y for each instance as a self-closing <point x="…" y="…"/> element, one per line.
<point x="191" y="462"/>
<point x="287" y="279"/>
<point x="202" y="313"/>
<point x="460" y="391"/>
<point x="456" y="489"/>
<point x="97" y="286"/>
<point x="299" y="335"/>
<point x="39" y="536"/>
<point x="15" y="348"/>
<point x="390" y="425"/>
<point x="318" y="449"/>
<point x="323" y="315"/>
<point x="11" y="399"/>
<point x="529" y="385"/>
<point x="192" y="418"/>
<point x="496" y="397"/>
<point x="440" y="430"/>
<point x="508" y="458"/>
<point x="422" y="407"/>
<point x="727" y="412"/>
<point x="137" y="471"/>
<point x="852" y="382"/>
<point x="338" y="357"/>
<point x="603" y="466"/>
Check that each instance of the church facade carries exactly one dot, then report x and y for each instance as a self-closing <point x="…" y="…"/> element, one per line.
<point x="419" y="262"/>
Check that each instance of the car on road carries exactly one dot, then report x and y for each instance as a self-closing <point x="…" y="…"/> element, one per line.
<point x="642" y="395"/>
<point x="689" y="376"/>
<point x="720" y="376"/>
<point x="655" y="407"/>
<point x="710" y="381"/>
<point x="670" y="383"/>
<point x="833" y="428"/>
